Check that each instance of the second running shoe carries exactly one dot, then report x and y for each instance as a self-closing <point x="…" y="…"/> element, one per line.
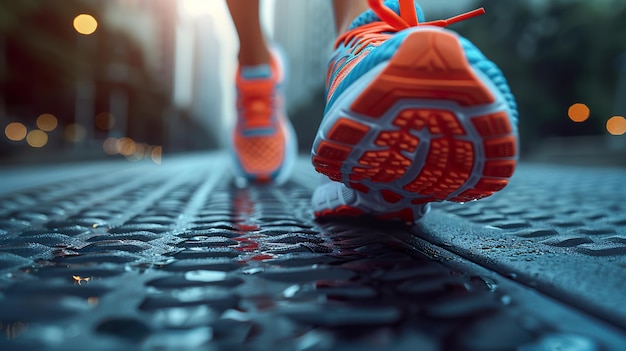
<point x="415" y="114"/>
<point x="263" y="144"/>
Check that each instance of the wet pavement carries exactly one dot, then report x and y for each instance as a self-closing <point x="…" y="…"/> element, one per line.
<point x="121" y="256"/>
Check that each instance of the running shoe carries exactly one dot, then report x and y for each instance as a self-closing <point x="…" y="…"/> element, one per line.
<point x="263" y="143"/>
<point x="415" y="114"/>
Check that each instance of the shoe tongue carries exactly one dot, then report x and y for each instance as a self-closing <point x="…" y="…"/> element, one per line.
<point x="369" y="15"/>
<point x="256" y="72"/>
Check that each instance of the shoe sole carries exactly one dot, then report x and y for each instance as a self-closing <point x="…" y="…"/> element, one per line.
<point x="427" y="126"/>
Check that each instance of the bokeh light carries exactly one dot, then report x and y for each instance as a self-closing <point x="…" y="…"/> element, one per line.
<point x="104" y="121"/>
<point x="579" y="112"/>
<point x="131" y="149"/>
<point x="156" y="154"/>
<point x="616" y="125"/>
<point x="110" y="146"/>
<point x="15" y="131"/>
<point x="37" y="138"/>
<point x="126" y="146"/>
<point x="47" y="122"/>
<point x="85" y="24"/>
<point x="75" y="133"/>
<point x="140" y="150"/>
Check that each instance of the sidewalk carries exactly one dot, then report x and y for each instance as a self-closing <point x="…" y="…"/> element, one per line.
<point x="121" y="256"/>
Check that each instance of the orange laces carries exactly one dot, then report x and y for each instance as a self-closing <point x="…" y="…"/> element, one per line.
<point x="257" y="107"/>
<point x="391" y="22"/>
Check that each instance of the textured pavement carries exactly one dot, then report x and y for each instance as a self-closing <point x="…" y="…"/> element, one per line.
<point x="135" y="256"/>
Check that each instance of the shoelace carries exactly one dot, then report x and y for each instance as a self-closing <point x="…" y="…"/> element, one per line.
<point x="391" y="22"/>
<point x="257" y="107"/>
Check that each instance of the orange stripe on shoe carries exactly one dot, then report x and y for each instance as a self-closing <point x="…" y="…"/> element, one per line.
<point x="338" y="78"/>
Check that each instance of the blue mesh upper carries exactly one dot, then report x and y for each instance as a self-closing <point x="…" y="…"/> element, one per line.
<point x="478" y="60"/>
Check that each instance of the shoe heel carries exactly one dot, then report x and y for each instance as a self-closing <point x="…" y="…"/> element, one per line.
<point x="444" y="133"/>
<point x="429" y="64"/>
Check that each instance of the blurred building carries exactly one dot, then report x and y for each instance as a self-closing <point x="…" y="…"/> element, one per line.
<point x="205" y="63"/>
<point x="152" y="23"/>
<point x="148" y="71"/>
<point x="305" y="30"/>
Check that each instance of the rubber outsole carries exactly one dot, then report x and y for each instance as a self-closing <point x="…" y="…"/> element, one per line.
<point x="428" y="127"/>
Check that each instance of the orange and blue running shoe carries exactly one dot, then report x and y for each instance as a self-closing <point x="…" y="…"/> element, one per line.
<point x="415" y="114"/>
<point x="263" y="143"/>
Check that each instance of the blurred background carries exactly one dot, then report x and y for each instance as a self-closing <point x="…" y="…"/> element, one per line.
<point x="139" y="79"/>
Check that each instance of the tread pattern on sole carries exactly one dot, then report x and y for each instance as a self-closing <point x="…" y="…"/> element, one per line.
<point x="430" y="65"/>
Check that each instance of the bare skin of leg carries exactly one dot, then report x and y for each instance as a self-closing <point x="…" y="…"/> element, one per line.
<point x="253" y="49"/>
<point x="346" y="11"/>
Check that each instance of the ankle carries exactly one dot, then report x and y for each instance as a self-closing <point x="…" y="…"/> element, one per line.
<point x="346" y="11"/>
<point x="254" y="57"/>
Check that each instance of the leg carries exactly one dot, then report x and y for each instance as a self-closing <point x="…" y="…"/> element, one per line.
<point x="263" y="144"/>
<point x="346" y="11"/>
<point x="253" y="49"/>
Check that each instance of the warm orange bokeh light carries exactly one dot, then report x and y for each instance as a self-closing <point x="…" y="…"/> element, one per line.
<point x="15" y="131"/>
<point x="126" y="146"/>
<point x="616" y="125"/>
<point x="85" y="24"/>
<point x="47" y="122"/>
<point x="579" y="112"/>
<point x="37" y="138"/>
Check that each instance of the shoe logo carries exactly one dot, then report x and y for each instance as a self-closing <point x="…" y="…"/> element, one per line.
<point x="431" y="62"/>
